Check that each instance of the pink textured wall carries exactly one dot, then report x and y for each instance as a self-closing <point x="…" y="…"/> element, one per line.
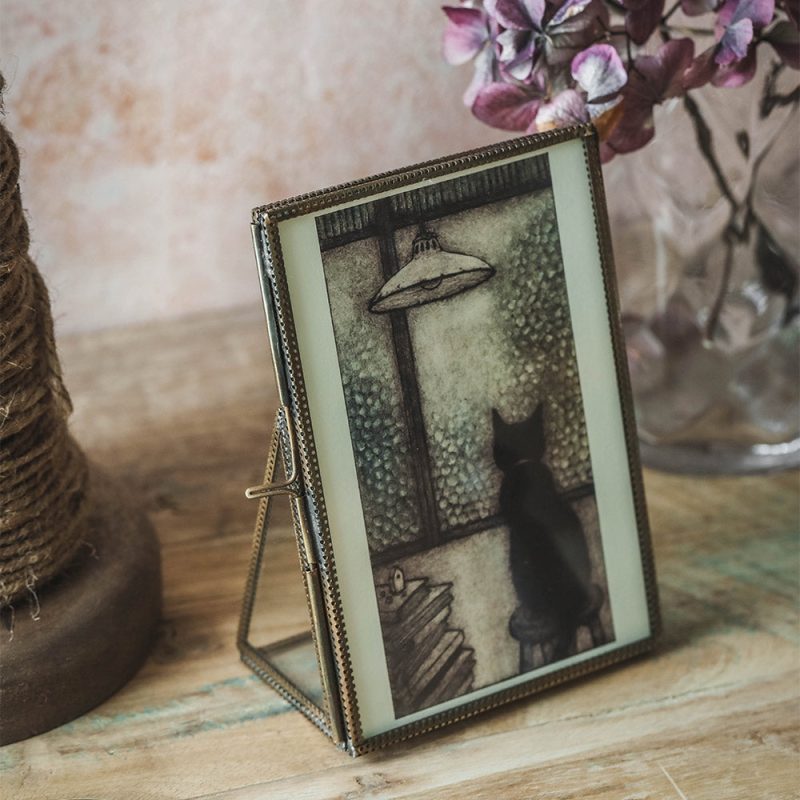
<point x="150" y="129"/>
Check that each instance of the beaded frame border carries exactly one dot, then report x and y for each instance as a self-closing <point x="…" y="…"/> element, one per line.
<point x="340" y="719"/>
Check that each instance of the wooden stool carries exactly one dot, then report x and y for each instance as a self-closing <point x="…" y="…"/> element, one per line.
<point x="535" y="634"/>
<point x="538" y="633"/>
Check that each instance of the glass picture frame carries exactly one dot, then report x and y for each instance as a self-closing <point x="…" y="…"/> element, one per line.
<point x="455" y="439"/>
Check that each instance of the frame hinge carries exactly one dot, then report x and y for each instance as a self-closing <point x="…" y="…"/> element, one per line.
<point x="292" y="484"/>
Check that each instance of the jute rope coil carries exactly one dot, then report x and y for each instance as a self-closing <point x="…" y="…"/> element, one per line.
<point x="44" y="476"/>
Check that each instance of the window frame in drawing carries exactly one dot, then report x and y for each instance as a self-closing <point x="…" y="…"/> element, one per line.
<point x="381" y="220"/>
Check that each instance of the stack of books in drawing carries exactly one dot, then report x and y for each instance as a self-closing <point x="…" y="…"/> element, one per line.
<point x="428" y="661"/>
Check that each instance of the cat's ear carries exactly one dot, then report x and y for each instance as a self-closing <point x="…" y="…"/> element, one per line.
<point x="536" y="419"/>
<point x="503" y="456"/>
<point x="497" y="420"/>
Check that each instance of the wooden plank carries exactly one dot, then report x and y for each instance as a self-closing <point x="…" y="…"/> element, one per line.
<point x="182" y="412"/>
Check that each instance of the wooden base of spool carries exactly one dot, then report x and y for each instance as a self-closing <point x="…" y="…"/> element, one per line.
<point x="97" y="622"/>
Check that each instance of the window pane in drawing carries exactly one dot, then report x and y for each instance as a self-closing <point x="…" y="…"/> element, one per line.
<point x="373" y="398"/>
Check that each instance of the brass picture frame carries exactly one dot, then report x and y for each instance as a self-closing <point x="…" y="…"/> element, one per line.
<point x="353" y="630"/>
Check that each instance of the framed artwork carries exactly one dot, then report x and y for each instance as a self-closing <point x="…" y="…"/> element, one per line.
<point x="456" y="437"/>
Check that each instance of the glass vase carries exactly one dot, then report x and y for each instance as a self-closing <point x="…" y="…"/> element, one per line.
<point x="707" y="235"/>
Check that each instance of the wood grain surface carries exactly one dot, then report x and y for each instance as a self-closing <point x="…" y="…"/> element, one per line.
<point x="181" y="411"/>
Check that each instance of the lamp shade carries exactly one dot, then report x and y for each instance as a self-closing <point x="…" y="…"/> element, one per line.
<point x="431" y="274"/>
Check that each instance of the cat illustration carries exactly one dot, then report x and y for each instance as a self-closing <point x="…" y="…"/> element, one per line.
<point x="550" y="564"/>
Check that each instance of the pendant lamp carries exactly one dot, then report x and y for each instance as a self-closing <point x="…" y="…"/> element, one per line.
<point x="431" y="274"/>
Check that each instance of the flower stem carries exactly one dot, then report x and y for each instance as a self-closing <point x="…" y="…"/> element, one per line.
<point x="705" y="143"/>
<point x="671" y="12"/>
<point x="716" y="309"/>
<point x="686" y="30"/>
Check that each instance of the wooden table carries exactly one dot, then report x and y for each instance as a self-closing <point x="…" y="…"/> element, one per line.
<point x="181" y="411"/>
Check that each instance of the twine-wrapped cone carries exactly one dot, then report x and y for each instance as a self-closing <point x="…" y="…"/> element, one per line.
<point x="100" y="615"/>
<point x="44" y="477"/>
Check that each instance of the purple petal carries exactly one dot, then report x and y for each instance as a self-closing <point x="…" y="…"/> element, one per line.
<point x="522" y="67"/>
<point x="725" y="16"/>
<point x="759" y="12"/>
<point x="465" y="34"/>
<point x="580" y="20"/>
<point x="606" y="152"/>
<point x="599" y="71"/>
<point x="633" y="131"/>
<point x="535" y="9"/>
<point x="520" y="70"/>
<point x="785" y="39"/>
<point x="517" y="51"/>
<point x="663" y="73"/>
<point x="624" y="128"/>
<point x="566" y="108"/>
<point x="701" y="71"/>
<point x="676" y="57"/>
<point x="570" y="9"/>
<point x="482" y="75"/>
<point x="737" y="74"/>
<point x="598" y="109"/>
<point x="510" y="43"/>
<point x="734" y="43"/>
<point x="521" y="15"/>
<point x="575" y="33"/>
<point x="506" y="106"/>
<point x="641" y="21"/>
<point x="652" y="80"/>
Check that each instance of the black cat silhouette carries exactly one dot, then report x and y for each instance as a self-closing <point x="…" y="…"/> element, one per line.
<point x="550" y="564"/>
